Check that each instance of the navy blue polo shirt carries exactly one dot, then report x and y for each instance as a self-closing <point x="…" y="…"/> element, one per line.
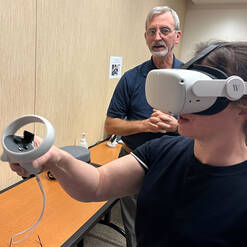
<point x="129" y="101"/>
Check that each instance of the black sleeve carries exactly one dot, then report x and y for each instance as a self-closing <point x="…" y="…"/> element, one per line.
<point x="142" y="154"/>
<point x="158" y="150"/>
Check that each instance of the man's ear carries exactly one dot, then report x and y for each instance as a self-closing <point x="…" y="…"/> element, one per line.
<point x="178" y="36"/>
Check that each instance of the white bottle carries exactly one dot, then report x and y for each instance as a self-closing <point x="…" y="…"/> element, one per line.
<point x="83" y="141"/>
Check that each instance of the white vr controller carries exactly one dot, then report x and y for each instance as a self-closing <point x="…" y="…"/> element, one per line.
<point x="22" y="150"/>
<point x="180" y="91"/>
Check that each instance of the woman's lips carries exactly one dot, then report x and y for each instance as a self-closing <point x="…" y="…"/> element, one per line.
<point x="182" y="119"/>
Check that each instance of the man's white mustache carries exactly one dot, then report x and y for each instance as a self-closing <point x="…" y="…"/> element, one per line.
<point x="159" y="43"/>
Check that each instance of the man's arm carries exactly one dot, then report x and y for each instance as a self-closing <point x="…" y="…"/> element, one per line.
<point x="125" y="127"/>
<point x="158" y="122"/>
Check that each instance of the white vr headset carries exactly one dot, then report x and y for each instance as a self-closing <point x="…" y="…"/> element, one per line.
<point x="194" y="88"/>
<point x="187" y="91"/>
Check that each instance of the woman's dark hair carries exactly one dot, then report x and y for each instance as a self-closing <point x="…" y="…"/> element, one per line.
<point x="230" y="57"/>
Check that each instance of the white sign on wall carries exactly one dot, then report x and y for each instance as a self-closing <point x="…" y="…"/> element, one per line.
<point x="115" y="67"/>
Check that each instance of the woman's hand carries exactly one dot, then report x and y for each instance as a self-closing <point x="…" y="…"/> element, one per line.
<point x="43" y="162"/>
<point x="19" y="170"/>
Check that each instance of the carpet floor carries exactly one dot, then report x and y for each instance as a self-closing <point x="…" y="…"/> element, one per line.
<point x="104" y="236"/>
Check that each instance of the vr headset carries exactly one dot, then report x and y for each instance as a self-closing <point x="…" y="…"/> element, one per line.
<point x="194" y="88"/>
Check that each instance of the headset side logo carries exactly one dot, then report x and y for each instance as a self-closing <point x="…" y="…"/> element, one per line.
<point x="235" y="87"/>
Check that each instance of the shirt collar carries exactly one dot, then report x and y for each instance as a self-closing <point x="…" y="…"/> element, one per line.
<point x="149" y="65"/>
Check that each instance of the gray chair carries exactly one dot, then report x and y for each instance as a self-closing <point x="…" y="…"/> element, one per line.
<point x="78" y="152"/>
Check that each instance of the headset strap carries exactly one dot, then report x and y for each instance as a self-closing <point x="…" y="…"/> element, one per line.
<point x="202" y="54"/>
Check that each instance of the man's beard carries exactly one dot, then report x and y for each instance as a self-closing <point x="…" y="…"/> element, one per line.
<point x="162" y="53"/>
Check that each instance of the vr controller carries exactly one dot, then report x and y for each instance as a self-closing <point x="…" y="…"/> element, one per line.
<point x="21" y="150"/>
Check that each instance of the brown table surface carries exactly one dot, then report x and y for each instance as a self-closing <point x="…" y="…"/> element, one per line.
<point x="102" y="154"/>
<point x="65" y="220"/>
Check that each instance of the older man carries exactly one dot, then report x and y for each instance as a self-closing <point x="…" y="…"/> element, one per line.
<point x="129" y="115"/>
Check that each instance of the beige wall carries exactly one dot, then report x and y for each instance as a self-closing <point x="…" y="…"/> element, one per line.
<point x="55" y="58"/>
<point x="17" y="70"/>
<point x="205" y="22"/>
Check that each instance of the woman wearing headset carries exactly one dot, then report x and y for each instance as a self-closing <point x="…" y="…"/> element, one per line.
<point x="192" y="188"/>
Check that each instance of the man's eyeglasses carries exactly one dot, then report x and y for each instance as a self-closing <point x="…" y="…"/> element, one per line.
<point x="163" y="30"/>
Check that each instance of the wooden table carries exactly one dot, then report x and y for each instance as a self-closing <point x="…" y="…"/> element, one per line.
<point x="102" y="154"/>
<point x="65" y="219"/>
